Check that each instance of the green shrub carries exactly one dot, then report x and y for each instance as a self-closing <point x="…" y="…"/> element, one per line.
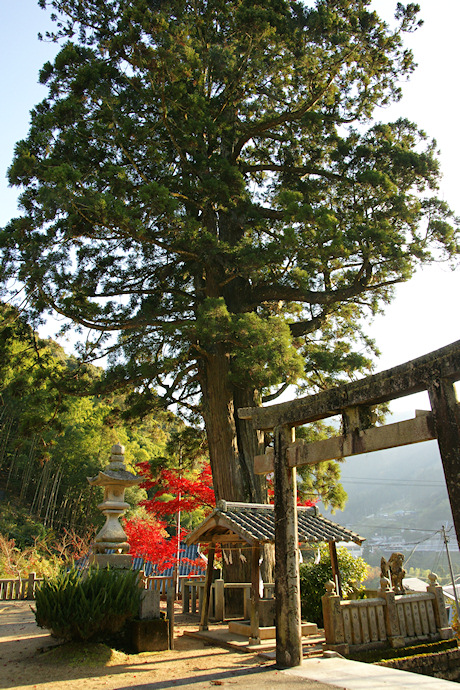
<point x="16" y="562"/>
<point x="87" y="605"/>
<point x="313" y="578"/>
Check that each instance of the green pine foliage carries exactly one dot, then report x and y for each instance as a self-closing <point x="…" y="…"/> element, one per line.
<point x="205" y="180"/>
<point x="80" y="606"/>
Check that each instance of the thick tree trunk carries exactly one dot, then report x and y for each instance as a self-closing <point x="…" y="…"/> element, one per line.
<point x="251" y="443"/>
<point x="232" y="442"/>
<point x="232" y="446"/>
<point x="219" y="416"/>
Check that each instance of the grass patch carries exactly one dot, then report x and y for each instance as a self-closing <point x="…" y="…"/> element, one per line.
<point x="374" y="656"/>
<point x="82" y="654"/>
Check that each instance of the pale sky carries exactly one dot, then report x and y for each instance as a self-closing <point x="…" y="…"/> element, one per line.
<point x="424" y="315"/>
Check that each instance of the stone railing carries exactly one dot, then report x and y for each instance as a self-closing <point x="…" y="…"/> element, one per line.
<point x="390" y="619"/>
<point x="19" y="588"/>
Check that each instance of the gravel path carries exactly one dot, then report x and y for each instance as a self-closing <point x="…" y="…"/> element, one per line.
<point x="31" y="659"/>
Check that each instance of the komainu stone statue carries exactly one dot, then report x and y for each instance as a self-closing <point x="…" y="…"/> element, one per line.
<point x="393" y="571"/>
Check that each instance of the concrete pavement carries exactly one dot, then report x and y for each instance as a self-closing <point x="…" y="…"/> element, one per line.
<point x="354" y="675"/>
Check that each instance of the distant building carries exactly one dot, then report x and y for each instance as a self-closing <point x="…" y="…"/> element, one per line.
<point x="450" y="599"/>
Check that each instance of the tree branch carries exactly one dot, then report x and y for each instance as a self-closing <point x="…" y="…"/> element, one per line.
<point x="303" y="327"/>
<point x="286" y="293"/>
<point x="273" y="396"/>
<point x="110" y="325"/>
<point x="289" y="116"/>
<point x="297" y="170"/>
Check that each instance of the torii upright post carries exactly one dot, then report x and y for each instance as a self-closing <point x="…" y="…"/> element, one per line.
<point x="287" y="580"/>
<point x="446" y="414"/>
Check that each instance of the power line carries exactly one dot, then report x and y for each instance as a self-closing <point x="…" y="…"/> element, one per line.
<point x="391" y="482"/>
<point x="392" y="527"/>
<point x="415" y="546"/>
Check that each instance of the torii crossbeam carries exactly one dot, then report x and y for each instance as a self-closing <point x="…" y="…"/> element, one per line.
<point x="435" y="372"/>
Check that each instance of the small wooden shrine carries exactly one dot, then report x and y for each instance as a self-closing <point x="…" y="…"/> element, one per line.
<point x="251" y="524"/>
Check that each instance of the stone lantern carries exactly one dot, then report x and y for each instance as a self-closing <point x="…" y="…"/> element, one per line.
<point x="114" y="479"/>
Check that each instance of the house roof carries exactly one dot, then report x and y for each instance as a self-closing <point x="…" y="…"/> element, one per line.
<point x="449" y="591"/>
<point x="251" y="522"/>
<point x="414" y="584"/>
<point x="191" y="562"/>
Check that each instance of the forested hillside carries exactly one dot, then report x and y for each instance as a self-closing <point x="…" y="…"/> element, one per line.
<point x="55" y="431"/>
<point x="398" y="500"/>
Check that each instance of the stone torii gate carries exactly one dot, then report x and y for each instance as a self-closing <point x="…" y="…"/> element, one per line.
<point x="435" y="372"/>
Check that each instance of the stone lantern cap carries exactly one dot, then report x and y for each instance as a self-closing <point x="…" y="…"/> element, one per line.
<point x="116" y="472"/>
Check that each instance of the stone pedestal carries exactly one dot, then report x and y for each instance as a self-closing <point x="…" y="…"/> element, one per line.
<point x="150" y="635"/>
<point x="333" y="621"/>
<point x="121" y="561"/>
<point x="444" y="630"/>
<point x="267" y="612"/>
<point x="150" y="604"/>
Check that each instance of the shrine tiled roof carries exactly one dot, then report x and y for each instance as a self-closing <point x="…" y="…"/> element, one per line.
<point x="250" y="522"/>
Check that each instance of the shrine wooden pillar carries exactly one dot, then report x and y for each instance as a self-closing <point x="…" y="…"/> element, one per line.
<point x="446" y="415"/>
<point x="287" y="580"/>
<point x="207" y="588"/>
<point x="255" y="571"/>
<point x="335" y="568"/>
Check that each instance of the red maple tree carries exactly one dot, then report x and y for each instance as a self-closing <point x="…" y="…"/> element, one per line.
<point x="175" y="492"/>
<point x="188" y="492"/>
<point x="149" y="539"/>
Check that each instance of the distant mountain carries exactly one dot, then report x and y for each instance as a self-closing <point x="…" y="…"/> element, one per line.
<point x="393" y="497"/>
<point x="399" y="487"/>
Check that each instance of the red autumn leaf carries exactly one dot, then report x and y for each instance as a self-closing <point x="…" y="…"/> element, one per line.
<point x="188" y="493"/>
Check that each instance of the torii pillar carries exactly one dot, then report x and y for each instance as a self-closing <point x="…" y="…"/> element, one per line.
<point x="444" y="406"/>
<point x="287" y="579"/>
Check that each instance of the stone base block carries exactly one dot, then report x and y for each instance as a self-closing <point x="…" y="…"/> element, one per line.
<point x="150" y="604"/>
<point x="445" y="633"/>
<point x="342" y="649"/>
<point x="150" y="635"/>
<point x="112" y="560"/>
<point x="267" y="612"/>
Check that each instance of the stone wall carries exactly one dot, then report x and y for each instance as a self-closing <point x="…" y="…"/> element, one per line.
<point x="444" y="665"/>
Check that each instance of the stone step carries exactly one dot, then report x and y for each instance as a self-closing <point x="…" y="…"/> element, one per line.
<point x="244" y="628"/>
